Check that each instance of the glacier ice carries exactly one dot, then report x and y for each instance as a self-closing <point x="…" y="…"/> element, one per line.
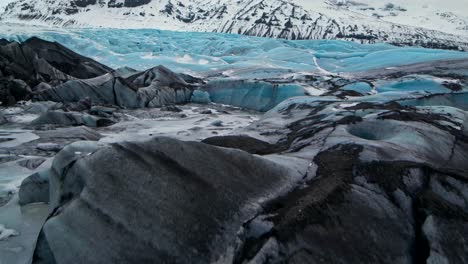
<point x="200" y="97"/>
<point x="204" y="52"/>
<point x="256" y="95"/>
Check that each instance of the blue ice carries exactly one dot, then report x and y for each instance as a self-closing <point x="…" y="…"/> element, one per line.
<point x="256" y="95"/>
<point x="201" y="52"/>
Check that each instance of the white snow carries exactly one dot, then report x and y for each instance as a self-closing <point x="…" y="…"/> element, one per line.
<point x="429" y="14"/>
<point x="407" y="17"/>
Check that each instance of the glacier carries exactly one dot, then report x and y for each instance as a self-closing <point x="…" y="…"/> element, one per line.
<point x="279" y="68"/>
<point x="198" y="53"/>
<point x="377" y="125"/>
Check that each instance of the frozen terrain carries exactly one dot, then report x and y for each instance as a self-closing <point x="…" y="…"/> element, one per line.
<point x="176" y="147"/>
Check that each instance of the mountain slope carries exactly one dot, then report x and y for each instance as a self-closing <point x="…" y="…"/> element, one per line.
<point x="290" y="19"/>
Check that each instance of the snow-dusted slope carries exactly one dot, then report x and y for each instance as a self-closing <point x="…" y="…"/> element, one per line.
<point x="401" y="22"/>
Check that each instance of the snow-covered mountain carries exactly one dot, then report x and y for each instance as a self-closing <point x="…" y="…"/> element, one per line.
<point x="427" y="23"/>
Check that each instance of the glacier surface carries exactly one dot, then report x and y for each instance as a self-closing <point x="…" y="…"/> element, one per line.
<point x="198" y="53"/>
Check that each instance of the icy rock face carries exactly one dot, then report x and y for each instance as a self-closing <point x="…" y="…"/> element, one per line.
<point x="174" y="186"/>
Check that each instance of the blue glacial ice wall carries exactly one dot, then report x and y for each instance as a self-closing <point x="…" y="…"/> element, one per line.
<point x="203" y="52"/>
<point x="256" y="95"/>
